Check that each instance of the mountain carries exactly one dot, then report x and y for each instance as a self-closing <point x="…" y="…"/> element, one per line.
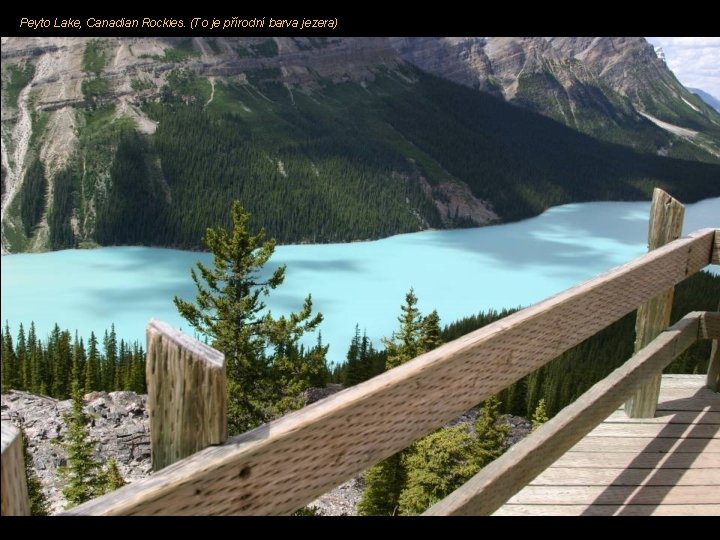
<point x="147" y="140"/>
<point x="707" y="98"/>
<point x="613" y="88"/>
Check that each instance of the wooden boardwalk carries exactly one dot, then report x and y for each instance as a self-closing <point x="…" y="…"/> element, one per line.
<point x="667" y="465"/>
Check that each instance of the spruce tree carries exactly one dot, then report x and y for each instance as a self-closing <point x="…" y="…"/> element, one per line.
<point x="416" y="335"/>
<point x="112" y="479"/>
<point x="82" y="473"/>
<point x="406" y="342"/>
<point x="229" y="310"/>
<point x="9" y="371"/>
<point x="540" y="415"/>
<point x="491" y="432"/>
<point x="436" y="466"/>
<point x="92" y="366"/>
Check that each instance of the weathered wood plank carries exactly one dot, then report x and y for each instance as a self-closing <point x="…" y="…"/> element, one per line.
<point x="710" y="325"/>
<point x="712" y="330"/>
<point x="491" y="487"/>
<point x="715" y="255"/>
<point x="680" y="380"/>
<point x="609" y="510"/>
<point x="645" y="444"/>
<point x="685" y="431"/>
<point x="653" y="316"/>
<point x="713" y="376"/>
<point x="13" y="486"/>
<point x="186" y="394"/>
<point x="681" y="460"/>
<point x="593" y="476"/>
<point x="617" y="495"/>
<point x="664" y="417"/>
<point x="281" y="466"/>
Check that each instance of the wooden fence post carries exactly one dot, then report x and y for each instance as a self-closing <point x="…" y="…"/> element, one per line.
<point x="713" y="374"/>
<point x="186" y="394"/>
<point x="666" y="220"/>
<point x="15" y="500"/>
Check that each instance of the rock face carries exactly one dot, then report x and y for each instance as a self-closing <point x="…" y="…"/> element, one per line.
<point x="119" y="424"/>
<point x="598" y="85"/>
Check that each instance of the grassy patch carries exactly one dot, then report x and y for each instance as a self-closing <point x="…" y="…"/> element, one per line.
<point x="180" y="52"/>
<point x="94" y="88"/>
<point x="94" y="58"/>
<point x="18" y="76"/>
<point x="138" y="85"/>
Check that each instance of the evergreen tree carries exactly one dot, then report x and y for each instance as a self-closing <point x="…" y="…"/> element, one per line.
<point x="112" y="479"/>
<point x="82" y="472"/>
<point x="9" y="371"/>
<point x="437" y="465"/>
<point x="92" y="366"/>
<point x="491" y="432"/>
<point x="431" y="334"/>
<point x="406" y="342"/>
<point x="109" y="375"/>
<point x="540" y="416"/>
<point x="38" y="502"/>
<point x="387" y="480"/>
<point x="384" y="483"/>
<point x="229" y="309"/>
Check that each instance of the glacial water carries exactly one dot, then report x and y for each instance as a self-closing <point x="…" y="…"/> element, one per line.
<point x="457" y="272"/>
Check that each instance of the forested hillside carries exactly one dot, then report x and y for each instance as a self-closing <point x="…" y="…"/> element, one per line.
<point x="145" y="141"/>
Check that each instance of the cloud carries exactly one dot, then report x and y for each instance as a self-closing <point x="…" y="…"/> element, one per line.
<point x="694" y="60"/>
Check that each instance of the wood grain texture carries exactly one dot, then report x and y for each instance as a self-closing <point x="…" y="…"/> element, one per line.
<point x="635" y="475"/>
<point x="610" y="510"/>
<point x="653" y="316"/>
<point x="622" y="495"/>
<point x="281" y="466"/>
<point x="689" y="431"/>
<point x="666" y="417"/>
<point x="700" y="459"/>
<point x="186" y="394"/>
<point x="711" y="329"/>
<point x="497" y="482"/>
<point x="606" y="476"/>
<point x="13" y="486"/>
<point x="715" y="256"/>
<point x="604" y="445"/>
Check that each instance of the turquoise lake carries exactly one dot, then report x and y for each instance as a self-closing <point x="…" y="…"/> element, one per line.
<point x="457" y="272"/>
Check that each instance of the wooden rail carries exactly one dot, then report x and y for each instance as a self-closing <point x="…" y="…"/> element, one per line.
<point x="501" y="479"/>
<point x="279" y="467"/>
<point x="13" y="486"/>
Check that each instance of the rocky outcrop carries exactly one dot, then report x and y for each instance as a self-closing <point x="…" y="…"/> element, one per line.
<point x="118" y="423"/>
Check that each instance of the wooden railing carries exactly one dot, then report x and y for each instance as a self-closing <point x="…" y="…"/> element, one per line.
<point x="281" y="466"/>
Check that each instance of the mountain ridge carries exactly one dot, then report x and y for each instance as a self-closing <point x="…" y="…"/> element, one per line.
<point x="112" y="140"/>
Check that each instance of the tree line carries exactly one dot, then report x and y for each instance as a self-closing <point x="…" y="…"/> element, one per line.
<point x="52" y="366"/>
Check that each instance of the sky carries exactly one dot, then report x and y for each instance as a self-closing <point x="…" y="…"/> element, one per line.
<point x="694" y="60"/>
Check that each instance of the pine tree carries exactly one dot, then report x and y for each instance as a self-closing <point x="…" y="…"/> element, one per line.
<point x="38" y="502"/>
<point x="491" y="432"/>
<point x="406" y="342"/>
<point x="82" y="472"/>
<point x="386" y="480"/>
<point x="92" y="366"/>
<point x="540" y="415"/>
<point x="228" y="310"/>
<point x="437" y="465"/>
<point x="431" y="334"/>
<point x="9" y="371"/>
<point x="384" y="483"/>
<point x="112" y="479"/>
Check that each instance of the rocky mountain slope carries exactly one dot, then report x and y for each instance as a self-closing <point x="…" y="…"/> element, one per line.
<point x="604" y="86"/>
<point x="146" y="140"/>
